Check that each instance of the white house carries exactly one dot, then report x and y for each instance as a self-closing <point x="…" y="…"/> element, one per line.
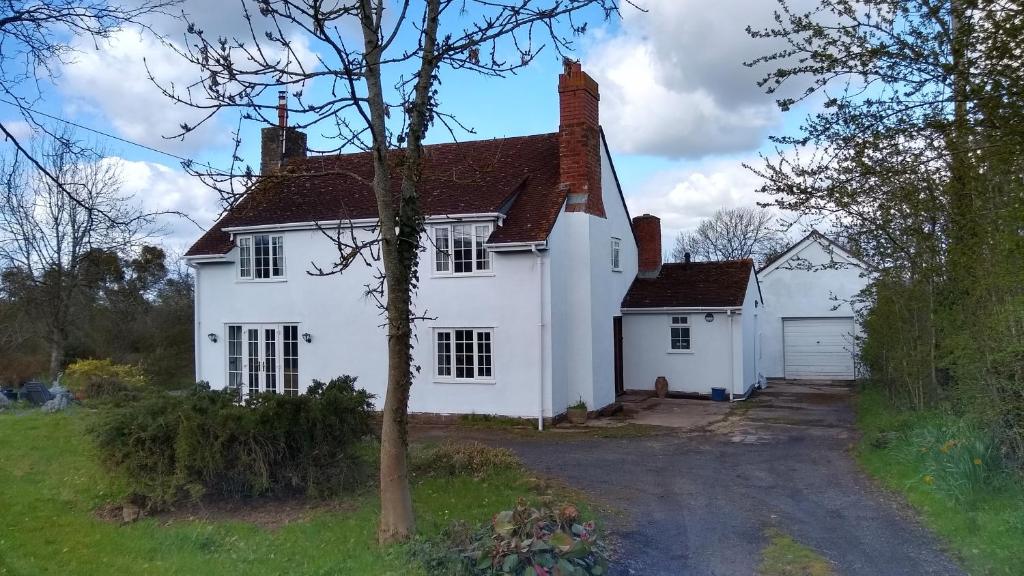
<point x="694" y="323"/>
<point x="808" y="327"/>
<point x="530" y="254"/>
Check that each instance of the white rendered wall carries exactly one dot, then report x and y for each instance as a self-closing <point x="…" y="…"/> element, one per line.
<point x="791" y="292"/>
<point x="347" y="337"/>
<point x="749" y="374"/>
<point x="708" y="364"/>
<point x="588" y="295"/>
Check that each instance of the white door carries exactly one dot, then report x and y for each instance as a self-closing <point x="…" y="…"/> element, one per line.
<point x="260" y="364"/>
<point x="818" y="348"/>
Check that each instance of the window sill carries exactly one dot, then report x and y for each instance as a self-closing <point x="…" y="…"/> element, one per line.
<point x="441" y="380"/>
<point x="679" y="352"/>
<point x="260" y="281"/>
<point x="473" y="275"/>
<point x="619" y="270"/>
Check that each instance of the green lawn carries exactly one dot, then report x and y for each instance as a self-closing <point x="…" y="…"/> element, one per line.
<point x="50" y="486"/>
<point x="985" y="531"/>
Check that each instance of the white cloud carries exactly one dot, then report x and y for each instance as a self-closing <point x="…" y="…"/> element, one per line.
<point x="159" y="188"/>
<point x="683" y="197"/>
<point x="20" y="129"/>
<point x="673" y="82"/>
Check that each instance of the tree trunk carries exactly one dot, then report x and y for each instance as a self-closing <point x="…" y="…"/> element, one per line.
<point x="56" y="354"/>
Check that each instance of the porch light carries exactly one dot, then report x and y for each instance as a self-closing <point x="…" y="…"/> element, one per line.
<point x="307" y="337"/>
<point x="709" y="317"/>
<point x="212" y="337"/>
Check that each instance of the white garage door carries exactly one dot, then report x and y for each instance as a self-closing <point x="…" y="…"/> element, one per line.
<point x="818" y="348"/>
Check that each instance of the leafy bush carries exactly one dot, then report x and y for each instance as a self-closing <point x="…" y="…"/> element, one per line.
<point x="171" y="448"/>
<point x="523" y="541"/>
<point x="102" y="378"/>
<point x="471" y="458"/>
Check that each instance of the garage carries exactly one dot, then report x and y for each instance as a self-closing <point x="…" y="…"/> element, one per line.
<point x="818" y="348"/>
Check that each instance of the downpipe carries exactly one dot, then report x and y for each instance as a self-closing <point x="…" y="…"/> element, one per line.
<point x="540" y="338"/>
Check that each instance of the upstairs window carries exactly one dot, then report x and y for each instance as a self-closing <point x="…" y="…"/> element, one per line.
<point x="616" y="252"/>
<point x="261" y="257"/>
<point x="680" y="333"/>
<point x="459" y="249"/>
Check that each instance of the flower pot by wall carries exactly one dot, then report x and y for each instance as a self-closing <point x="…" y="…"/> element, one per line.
<point x="661" y="386"/>
<point x="576" y="415"/>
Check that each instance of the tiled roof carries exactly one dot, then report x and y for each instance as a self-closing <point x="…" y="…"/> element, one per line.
<point x="517" y="174"/>
<point x="691" y="285"/>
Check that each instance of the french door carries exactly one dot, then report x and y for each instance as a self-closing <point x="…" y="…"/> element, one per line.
<point x="263" y="358"/>
<point x="260" y="363"/>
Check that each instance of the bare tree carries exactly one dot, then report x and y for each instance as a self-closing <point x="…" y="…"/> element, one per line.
<point x="359" y="46"/>
<point x="732" y="234"/>
<point x="54" y="245"/>
<point x="35" y="38"/>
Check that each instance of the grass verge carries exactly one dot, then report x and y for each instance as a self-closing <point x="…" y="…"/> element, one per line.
<point x="948" y="472"/>
<point x="52" y="486"/>
<point x="784" y="556"/>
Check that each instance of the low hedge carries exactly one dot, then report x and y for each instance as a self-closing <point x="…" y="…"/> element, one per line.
<point x="171" y="448"/>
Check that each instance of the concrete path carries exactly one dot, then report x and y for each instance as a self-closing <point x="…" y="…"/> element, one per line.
<point x="698" y="499"/>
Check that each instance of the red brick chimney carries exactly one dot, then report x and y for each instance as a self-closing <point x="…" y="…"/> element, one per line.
<point x="279" y="144"/>
<point x="579" y="141"/>
<point x="647" y="230"/>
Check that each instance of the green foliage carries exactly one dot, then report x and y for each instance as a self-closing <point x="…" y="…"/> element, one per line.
<point x="453" y="458"/>
<point x="53" y="483"/>
<point x="784" y="556"/>
<point x="929" y="455"/>
<point x="579" y="405"/>
<point x="170" y="448"/>
<point x="102" y="378"/>
<point x="523" y="541"/>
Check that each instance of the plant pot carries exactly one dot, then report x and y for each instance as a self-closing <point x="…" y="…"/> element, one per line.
<point x="661" y="386"/>
<point x="576" y="415"/>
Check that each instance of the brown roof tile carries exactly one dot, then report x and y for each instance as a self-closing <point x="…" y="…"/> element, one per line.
<point x="518" y="174"/>
<point x="691" y="285"/>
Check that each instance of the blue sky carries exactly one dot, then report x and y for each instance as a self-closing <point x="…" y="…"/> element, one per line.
<point x="680" y="110"/>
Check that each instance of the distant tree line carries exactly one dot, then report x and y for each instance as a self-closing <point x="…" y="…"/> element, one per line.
<point x="79" y="274"/>
<point x="916" y="152"/>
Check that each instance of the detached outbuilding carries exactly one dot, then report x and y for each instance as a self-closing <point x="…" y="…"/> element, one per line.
<point x="694" y="323"/>
<point x="808" y="328"/>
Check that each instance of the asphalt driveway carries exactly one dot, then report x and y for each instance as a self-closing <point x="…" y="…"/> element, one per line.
<point x="698" y="502"/>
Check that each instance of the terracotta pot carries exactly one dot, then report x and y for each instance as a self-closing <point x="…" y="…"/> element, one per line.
<point x="576" y="415"/>
<point x="661" y="386"/>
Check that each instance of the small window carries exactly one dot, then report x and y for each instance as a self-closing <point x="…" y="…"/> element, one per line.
<point x="680" y="333"/>
<point x="235" y="357"/>
<point x="460" y="249"/>
<point x="291" y="360"/>
<point x="261" y="257"/>
<point x="616" y="253"/>
<point x="464" y="354"/>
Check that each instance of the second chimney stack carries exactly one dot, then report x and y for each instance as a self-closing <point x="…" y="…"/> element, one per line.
<point x="647" y="230"/>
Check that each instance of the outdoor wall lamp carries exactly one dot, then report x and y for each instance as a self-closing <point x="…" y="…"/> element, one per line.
<point x="212" y="337"/>
<point x="307" y="337"/>
<point x="709" y="317"/>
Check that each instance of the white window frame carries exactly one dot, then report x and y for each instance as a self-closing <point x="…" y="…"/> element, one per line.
<point x="447" y="371"/>
<point x="444" y="251"/>
<point x="245" y="269"/>
<point x="281" y="374"/>
<point x="616" y="255"/>
<point x="684" y="323"/>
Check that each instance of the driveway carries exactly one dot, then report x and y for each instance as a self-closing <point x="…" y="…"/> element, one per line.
<point x="698" y="501"/>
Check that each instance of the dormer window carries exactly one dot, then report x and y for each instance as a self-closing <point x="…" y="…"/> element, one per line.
<point x="459" y="249"/>
<point x="261" y="257"/>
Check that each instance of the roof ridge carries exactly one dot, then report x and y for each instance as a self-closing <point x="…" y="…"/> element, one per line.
<point x="425" y="146"/>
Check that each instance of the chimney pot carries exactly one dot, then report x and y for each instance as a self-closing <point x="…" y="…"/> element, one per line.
<point x="647" y="230"/>
<point x="282" y="109"/>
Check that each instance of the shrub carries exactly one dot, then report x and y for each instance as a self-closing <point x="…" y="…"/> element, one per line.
<point x="524" y="541"/>
<point x="102" y="378"/>
<point x="170" y="448"/>
<point x="470" y="458"/>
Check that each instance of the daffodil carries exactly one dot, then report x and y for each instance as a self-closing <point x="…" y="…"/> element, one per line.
<point x="928" y="479"/>
<point x="977" y="461"/>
